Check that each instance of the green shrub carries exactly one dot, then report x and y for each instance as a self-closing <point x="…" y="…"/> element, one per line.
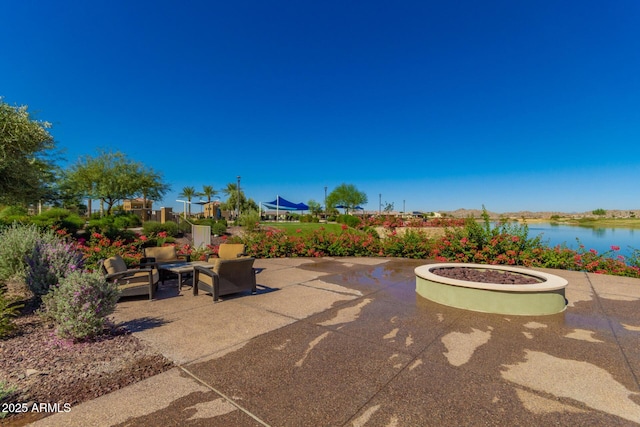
<point x="349" y="220"/>
<point x="16" y="243"/>
<point x="183" y="227"/>
<point x="155" y="227"/>
<point x="60" y="219"/>
<point x="411" y="244"/>
<point x="101" y="225"/>
<point x="49" y="262"/>
<point x="124" y="219"/>
<point x="219" y="228"/>
<point x="18" y="211"/>
<point x="309" y="218"/>
<point x="204" y="221"/>
<point x="121" y="222"/>
<point x="79" y="305"/>
<point x="13" y="214"/>
<point x="250" y="220"/>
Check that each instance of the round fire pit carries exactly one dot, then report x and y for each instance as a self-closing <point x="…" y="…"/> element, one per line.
<point x="492" y="288"/>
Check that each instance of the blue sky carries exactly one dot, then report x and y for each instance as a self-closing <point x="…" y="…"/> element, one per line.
<point x="429" y="105"/>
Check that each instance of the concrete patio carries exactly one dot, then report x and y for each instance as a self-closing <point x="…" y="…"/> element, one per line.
<point x="346" y="342"/>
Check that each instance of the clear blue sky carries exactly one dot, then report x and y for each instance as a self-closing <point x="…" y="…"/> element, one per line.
<point x="435" y="105"/>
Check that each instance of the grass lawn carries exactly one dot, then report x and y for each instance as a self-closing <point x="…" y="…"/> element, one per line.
<point x="305" y="227"/>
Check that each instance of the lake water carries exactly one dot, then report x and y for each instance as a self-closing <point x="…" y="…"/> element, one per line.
<point x="600" y="239"/>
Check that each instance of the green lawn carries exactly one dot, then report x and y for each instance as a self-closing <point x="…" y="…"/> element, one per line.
<point x="305" y="227"/>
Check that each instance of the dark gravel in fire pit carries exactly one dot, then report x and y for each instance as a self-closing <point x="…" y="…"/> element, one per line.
<point x="479" y="275"/>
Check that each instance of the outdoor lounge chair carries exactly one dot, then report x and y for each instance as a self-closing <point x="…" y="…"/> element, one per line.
<point x="231" y="251"/>
<point x="228" y="276"/>
<point x="135" y="281"/>
<point x="154" y="257"/>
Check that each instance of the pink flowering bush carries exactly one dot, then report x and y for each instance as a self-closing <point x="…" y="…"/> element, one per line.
<point x="80" y="304"/>
<point x="277" y="243"/>
<point x="100" y="247"/>
<point x="471" y="241"/>
<point x="411" y="244"/>
<point x="49" y="262"/>
<point x="391" y="222"/>
<point x="507" y="244"/>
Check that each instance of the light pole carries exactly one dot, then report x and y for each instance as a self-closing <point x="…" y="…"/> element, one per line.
<point x="325" y="202"/>
<point x="380" y="204"/>
<point x="185" y="207"/>
<point x="238" y="199"/>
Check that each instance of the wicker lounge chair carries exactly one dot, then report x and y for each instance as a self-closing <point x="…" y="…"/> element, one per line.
<point x="228" y="276"/>
<point x="156" y="256"/>
<point x="134" y="281"/>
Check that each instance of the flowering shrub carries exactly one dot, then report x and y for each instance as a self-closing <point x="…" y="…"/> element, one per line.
<point x="49" y="262"/>
<point x="101" y="247"/>
<point x="196" y="254"/>
<point x="277" y="244"/>
<point x="79" y="305"/>
<point x="16" y="243"/>
<point x="511" y="245"/>
<point x="391" y="222"/>
<point x="506" y="243"/>
<point x="412" y="244"/>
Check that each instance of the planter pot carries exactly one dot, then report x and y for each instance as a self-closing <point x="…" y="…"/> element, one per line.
<point x="546" y="296"/>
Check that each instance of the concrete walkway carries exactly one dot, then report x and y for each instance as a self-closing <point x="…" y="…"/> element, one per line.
<point x="346" y="342"/>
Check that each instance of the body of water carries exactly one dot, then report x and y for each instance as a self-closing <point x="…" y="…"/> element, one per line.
<point x="600" y="239"/>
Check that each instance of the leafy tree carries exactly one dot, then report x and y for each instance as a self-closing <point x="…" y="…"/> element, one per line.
<point x="231" y="190"/>
<point x="188" y="193"/>
<point x="112" y="177"/>
<point x="388" y="207"/>
<point x="346" y="195"/>
<point x="600" y="212"/>
<point x="151" y="187"/>
<point x="26" y="147"/>
<point x="82" y="178"/>
<point x="314" y="207"/>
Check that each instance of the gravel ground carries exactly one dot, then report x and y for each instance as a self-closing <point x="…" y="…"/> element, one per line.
<point x="44" y="369"/>
<point x="485" y="276"/>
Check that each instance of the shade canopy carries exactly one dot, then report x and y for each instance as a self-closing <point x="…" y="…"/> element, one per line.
<point x="280" y="203"/>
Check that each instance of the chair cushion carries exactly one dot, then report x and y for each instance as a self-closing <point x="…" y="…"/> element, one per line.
<point x="115" y="264"/>
<point x="230" y="250"/>
<point x="141" y="277"/>
<point x="161" y="254"/>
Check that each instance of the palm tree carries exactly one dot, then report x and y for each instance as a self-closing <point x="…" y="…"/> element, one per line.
<point x="188" y="193"/>
<point x="209" y="192"/>
<point x="236" y="198"/>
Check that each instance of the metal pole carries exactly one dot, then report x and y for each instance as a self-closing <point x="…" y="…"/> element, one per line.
<point x="325" y="201"/>
<point x="238" y="199"/>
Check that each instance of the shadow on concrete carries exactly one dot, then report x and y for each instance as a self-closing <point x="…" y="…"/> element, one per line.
<point x="142" y="324"/>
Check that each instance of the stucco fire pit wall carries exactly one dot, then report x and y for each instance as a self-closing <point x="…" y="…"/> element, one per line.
<point x="546" y="297"/>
